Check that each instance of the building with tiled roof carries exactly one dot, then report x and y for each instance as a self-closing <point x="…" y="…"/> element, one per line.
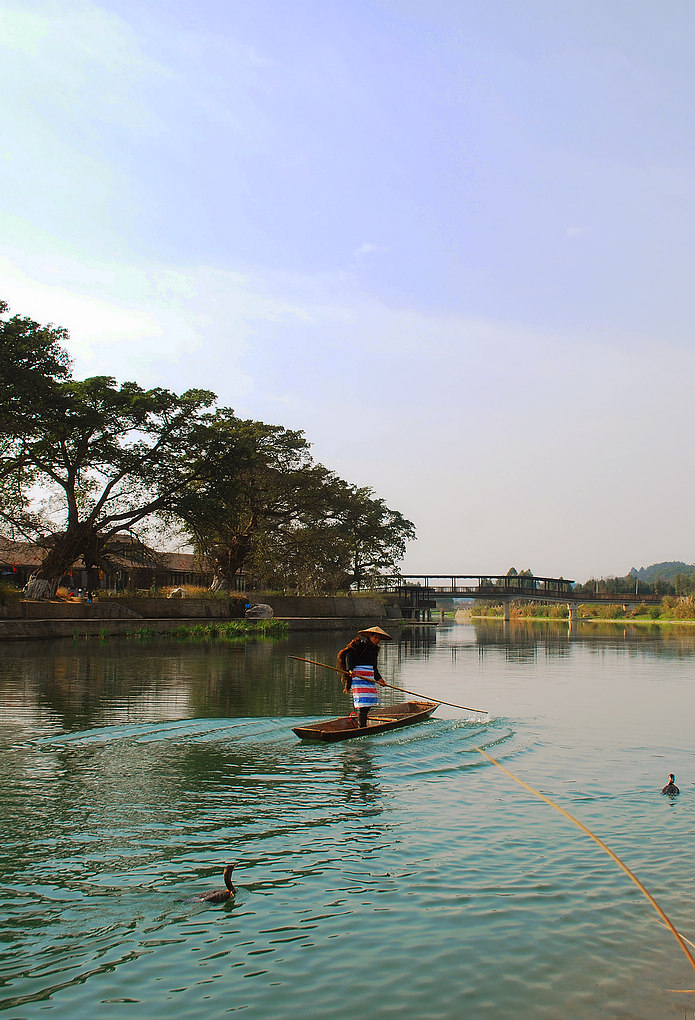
<point x="130" y="565"/>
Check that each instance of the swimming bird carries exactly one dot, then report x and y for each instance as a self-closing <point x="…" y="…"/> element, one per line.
<point x="221" y="895"/>
<point x="671" y="789"/>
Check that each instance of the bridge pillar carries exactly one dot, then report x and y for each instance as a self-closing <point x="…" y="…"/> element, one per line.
<point x="506" y="603"/>
<point x="572" y="613"/>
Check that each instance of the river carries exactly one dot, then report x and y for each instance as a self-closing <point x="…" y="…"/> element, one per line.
<point x="396" y="874"/>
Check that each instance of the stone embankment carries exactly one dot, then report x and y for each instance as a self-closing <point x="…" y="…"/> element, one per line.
<point x="21" y="620"/>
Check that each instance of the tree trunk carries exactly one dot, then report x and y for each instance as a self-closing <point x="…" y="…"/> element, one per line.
<point x="38" y="588"/>
<point x="228" y="559"/>
<point x="66" y="548"/>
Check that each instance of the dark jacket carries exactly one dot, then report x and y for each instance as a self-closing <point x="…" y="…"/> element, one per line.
<point x="361" y="652"/>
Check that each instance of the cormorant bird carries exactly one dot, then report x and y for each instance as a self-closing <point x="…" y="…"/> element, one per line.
<point x="671" y="789"/>
<point x="221" y="895"/>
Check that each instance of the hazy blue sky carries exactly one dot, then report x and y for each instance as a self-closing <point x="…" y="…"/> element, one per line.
<point x="452" y="241"/>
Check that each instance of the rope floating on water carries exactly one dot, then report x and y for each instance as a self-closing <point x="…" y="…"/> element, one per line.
<point x="667" y="923"/>
<point x="575" y="821"/>
<point x="691" y="944"/>
<point x="423" y="697"/>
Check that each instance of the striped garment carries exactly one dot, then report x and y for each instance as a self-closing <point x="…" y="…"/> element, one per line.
<point x="364" y="688"/>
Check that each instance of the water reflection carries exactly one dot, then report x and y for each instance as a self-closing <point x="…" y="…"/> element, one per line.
<point x="66" y="686"/>
<point x="132" y="771"/>
<point x="359" y="777"/>
<point x="524" y="639"/>
<point x="84" y="684"/>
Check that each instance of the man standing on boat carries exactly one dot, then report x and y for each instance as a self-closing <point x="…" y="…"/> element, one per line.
<point x="359" y="659"/>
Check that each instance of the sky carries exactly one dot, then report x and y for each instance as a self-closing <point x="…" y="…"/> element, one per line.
<point x="451" y="241"/>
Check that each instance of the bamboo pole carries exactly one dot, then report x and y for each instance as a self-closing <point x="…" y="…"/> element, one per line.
<point x="414" y="694"/>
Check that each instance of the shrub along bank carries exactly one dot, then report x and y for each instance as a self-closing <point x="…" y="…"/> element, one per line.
<point x="673" y="608"/>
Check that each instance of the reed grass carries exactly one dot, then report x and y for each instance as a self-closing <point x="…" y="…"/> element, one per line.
<point x="229" y="630"/>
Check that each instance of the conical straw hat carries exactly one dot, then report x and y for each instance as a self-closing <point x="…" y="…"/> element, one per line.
<point x="379" y="633"/>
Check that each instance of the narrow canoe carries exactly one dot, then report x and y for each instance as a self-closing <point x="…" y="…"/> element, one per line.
<point x="379" y="720"/>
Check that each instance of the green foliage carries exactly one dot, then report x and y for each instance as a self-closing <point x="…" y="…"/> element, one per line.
<point x="114" y="456"/>
<point x="231" y="630"/>
<point x="8" y="593"/>
<point x="289" y="523"/>
<point x="110" y="459"/>
<point x="678" y="579"/>
<point x="672" y="609"/>
<point x="678" y="608"/>
<point x="32" y="365"/>
<point x="665" y="571"/>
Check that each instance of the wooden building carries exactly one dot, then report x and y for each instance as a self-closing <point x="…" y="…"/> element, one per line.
<point x="129" y="565"/>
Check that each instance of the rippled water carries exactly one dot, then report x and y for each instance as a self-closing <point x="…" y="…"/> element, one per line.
<point x="400" y="873"/>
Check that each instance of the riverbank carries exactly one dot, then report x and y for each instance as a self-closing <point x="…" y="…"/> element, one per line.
<point x="643" y="621"/>
<point x="26" y="621"/>
<point x="671" y="609"/>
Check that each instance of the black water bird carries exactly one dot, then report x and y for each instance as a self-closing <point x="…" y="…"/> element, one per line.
<point x="671" y="789"/>
<point x="221" y="895"/>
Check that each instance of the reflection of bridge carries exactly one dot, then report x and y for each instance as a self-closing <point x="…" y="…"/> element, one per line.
<point x="417" y="594"/>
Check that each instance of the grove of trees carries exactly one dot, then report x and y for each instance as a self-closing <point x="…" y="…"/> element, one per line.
<point x="83" y="462"/>
<point x="681" y="583"/>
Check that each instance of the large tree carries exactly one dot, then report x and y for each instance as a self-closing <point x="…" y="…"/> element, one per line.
<point x="33" y="363"/>
<point x="288" y="522"/>
<point x="374" y="535"/>
<point x="285" y="520"/>
<point x="349" y="541"/>
<point x="81" y="461"/>
<point x="261" y="478"/>
<point x="119" y="455"/>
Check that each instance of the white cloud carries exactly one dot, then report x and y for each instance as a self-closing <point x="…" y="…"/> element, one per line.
<point x="159" y="180"/>
<point x="499" y="441"/>
<point x="82" y="57"/>
<point x="367" y="248"/>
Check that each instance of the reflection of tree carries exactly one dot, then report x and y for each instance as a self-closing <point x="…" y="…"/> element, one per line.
<point x="90" y="683"/>
<point x="525" y="640"/>
<point x="420" y="641"/>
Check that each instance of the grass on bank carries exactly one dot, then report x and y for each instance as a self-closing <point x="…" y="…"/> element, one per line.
<point x="673" y="609"/>
<point x="229" y="630"/>
<point x="9" y="593"/>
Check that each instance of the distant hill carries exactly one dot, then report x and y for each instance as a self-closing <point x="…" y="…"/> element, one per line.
<point x="662" y="571"/>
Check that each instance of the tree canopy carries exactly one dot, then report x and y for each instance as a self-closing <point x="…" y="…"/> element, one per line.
<point x="32" y="365"/>
<point x="288" y="522"/>
<point x="82" y="460"/>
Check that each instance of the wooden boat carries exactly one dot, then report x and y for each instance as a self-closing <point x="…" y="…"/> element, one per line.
<point x="378" y="720"/>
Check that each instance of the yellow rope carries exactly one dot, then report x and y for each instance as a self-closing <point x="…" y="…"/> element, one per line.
<point x="691" y="944"/>
<point x="537" y="793"/>
<point x="599" y="842"/>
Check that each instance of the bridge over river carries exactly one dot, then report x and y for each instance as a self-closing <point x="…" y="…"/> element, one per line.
<point x="417" y="594"/>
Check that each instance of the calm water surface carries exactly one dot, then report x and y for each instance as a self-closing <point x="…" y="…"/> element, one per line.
<point x="397" y="874"/>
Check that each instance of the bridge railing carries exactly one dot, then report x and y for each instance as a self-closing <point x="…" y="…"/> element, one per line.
<point x="417" y="588"/>
<point x="477" y="584"/>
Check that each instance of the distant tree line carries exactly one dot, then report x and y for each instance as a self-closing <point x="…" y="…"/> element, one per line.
<point x="85" y="462"/>
<point x="680" y="583"/>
